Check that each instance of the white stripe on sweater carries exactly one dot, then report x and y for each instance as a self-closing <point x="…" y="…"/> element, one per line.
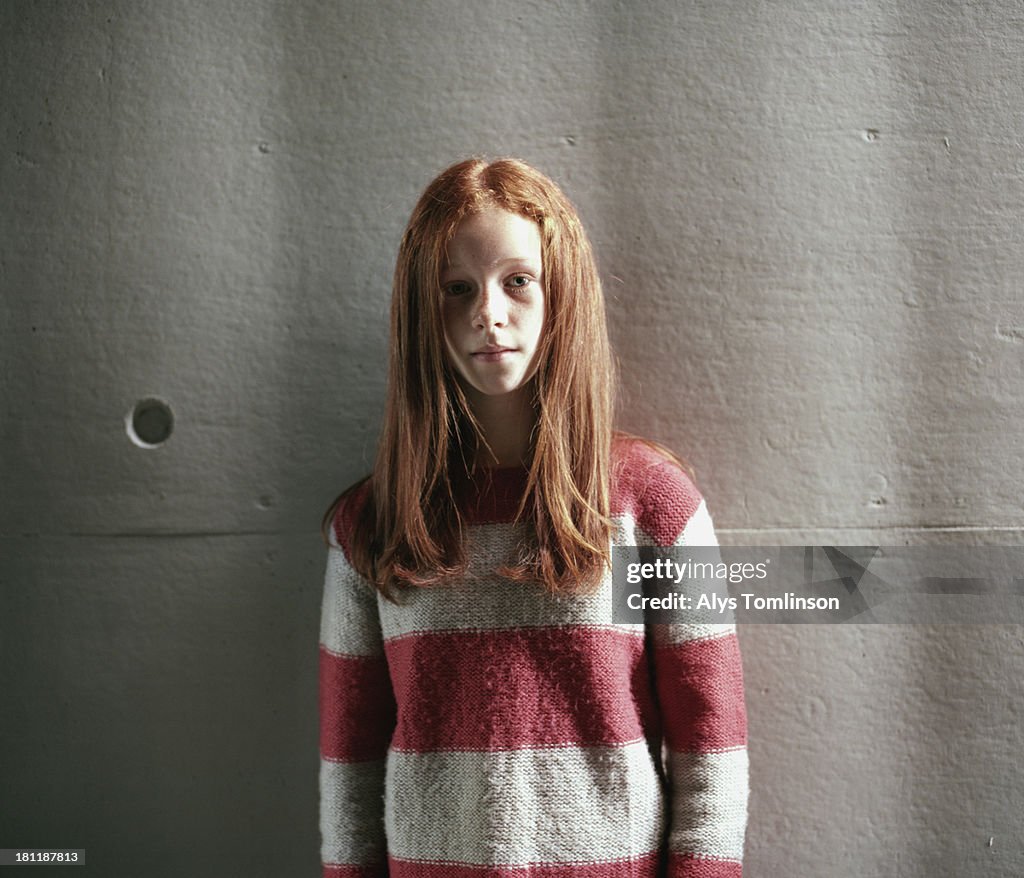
<point x="348" y="618"/>
<point x="713" y="790"/>
<point x="699" y="531"/>
<point x="352" y="812"/>
<point x="482" y="601"/>
<point x="568" y="805"/>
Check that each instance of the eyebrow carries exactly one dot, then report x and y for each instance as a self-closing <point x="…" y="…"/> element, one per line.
<point x="525" y="260"/>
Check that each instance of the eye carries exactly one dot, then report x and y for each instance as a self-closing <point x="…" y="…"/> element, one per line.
<point x="519" y="281"/>
<point x="456" y="288"/>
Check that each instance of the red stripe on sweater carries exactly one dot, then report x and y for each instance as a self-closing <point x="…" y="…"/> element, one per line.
<point x="357" y="711"/>
<point x="693" y="867"/>
<point x="335" y="871"/>
<point x="700" y="686"/>
<point x="647" y="485"/>
<point x="645" y="867"/>
<point x="494" y="494"/>
<point x="651" y="488"/>
<point x="352" y="506"/>
<point x="667" y="504"/>
<point x="507" y="689"/>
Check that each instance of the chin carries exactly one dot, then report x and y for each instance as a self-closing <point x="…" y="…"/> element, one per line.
<point x="491" y="386"/>
<point x="499" y="391"/>
<point x="493" y="389"/>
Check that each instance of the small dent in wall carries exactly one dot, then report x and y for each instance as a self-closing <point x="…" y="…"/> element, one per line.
<point x="150" y="423"/>
<point x="24" y="161"/>
<point x="1010" y="333"/>
<point x="877" y="488"/>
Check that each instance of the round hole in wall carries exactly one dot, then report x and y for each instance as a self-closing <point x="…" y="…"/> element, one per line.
<point x="150" y="423"/>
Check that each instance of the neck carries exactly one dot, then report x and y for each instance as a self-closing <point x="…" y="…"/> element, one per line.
<point x="507" y="422"/>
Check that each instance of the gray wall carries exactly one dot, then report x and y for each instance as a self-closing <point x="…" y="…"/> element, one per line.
<point x="808" y="217"/>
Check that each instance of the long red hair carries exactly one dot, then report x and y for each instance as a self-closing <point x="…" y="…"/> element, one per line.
<point x="410" y="530"/>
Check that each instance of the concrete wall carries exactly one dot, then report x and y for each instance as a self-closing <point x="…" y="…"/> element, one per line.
<point x="808" y="217"/>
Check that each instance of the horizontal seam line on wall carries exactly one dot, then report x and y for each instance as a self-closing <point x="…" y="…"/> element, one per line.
<point x="173" y="534"/>
<point x="168" y="534"/>
<point x="952" y="528"/>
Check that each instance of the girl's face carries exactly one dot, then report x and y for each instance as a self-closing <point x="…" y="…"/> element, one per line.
<point x="493" y="310"/>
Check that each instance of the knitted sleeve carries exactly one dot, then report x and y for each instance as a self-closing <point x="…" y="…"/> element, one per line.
<point x="699" y="683"/>
<point x="357" y="717"/>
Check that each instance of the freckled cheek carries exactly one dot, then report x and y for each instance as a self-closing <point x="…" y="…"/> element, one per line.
<point x="532" y="322"/>
<point x="450" y="322"/>
<point x="455" y="312"/>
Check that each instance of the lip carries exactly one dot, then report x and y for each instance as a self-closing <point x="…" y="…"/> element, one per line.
<point x="491" y="353"/>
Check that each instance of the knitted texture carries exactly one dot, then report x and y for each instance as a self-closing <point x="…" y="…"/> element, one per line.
<point x="489" y="729"/>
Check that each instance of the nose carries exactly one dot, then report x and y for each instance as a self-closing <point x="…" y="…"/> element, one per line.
<point x="491" y="307"/>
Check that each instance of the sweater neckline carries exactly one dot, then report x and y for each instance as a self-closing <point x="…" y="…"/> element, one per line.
<point x="494" y="493"/>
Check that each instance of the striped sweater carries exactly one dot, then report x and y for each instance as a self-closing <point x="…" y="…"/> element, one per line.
<point x="488" y="729"/>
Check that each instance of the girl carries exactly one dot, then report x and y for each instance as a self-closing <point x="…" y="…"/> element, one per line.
<point x="481" y="716"/>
